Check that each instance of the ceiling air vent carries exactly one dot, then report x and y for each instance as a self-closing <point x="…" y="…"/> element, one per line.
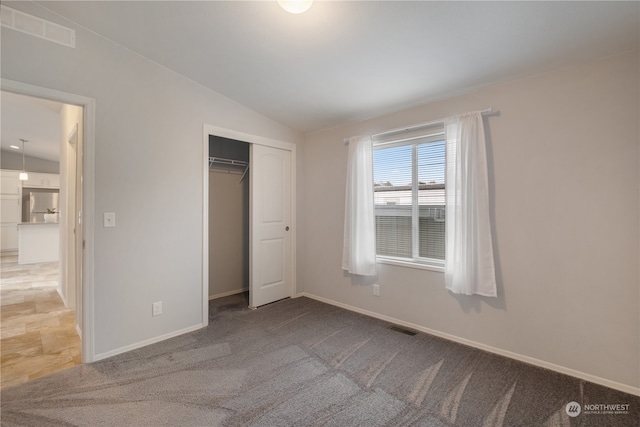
<point x="38" y="27"/>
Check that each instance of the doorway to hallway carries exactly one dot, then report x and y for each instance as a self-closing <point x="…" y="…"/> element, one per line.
<point x="77" y="237"/>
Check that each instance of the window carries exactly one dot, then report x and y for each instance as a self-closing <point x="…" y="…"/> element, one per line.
<point x="409" y="180"/>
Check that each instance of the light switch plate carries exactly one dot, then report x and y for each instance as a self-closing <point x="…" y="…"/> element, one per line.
<point x="109" y="219"/>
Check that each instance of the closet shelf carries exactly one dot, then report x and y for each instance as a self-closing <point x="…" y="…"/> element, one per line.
<point x="222" y="162"/>
<point x="227" y="162"/>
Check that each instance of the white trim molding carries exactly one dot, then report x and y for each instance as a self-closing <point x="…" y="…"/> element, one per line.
<point x="145" y="343"/>
<point x="227" y="294"/>
<point x="511" y="355"/>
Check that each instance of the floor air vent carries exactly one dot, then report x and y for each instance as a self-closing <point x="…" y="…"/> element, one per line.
<point x="402" y="330"/>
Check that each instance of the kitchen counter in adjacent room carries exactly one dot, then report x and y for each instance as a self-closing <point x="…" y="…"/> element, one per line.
<point x="38" y="242"/>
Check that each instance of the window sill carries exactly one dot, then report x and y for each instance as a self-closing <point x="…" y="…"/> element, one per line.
<point x="418" y="266"/>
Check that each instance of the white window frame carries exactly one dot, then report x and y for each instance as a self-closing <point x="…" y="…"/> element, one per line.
<point x="433" y="134"/>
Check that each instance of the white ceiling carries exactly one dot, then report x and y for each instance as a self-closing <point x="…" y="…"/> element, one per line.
<point x="36" y="120"/>
<point x="346" y="61"/>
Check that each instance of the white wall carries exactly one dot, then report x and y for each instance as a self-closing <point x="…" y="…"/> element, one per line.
<point x="228" y="233"/>
<point x="563" y="156"/>
<point x="148" y="170"/>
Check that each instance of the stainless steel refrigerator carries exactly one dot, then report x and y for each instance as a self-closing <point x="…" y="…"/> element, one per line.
<point x="36" y="202"/>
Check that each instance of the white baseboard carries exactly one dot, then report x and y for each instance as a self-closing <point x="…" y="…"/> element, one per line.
<point x="146" y="342"/>
<point x="79" y="331"/>
<point x="520" y="357"/>
<point x="226" y="294"/>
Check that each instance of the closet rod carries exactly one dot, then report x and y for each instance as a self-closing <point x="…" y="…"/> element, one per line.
<point x="418" y="126"/>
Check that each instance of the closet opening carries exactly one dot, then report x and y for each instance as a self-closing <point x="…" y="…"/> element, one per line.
<point x="249" y="221"/>
<point x="229" y="245"/>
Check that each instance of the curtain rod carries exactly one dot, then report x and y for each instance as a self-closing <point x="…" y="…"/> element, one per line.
<point x="418" y="126"/>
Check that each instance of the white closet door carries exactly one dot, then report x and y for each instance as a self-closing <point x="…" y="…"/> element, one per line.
<point x="270" y="219"/>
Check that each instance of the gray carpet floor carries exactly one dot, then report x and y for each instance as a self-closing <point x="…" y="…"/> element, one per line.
<point x="304" y="363"/>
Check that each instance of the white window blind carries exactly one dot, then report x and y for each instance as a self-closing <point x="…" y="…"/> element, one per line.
<point x="409" y="180"/>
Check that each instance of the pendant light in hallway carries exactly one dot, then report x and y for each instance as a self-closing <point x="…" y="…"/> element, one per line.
<point x="23" y="175"/>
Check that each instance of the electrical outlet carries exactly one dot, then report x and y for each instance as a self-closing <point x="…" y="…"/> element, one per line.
<point x="376" y="290"/>
<point x="109" y="219"/>
<point x="156" y="308"/>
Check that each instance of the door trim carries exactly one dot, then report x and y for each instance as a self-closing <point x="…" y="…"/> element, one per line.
<point x="89" y="109"/>
<point x="69" y="141"/>
<point x="251" y="139"/>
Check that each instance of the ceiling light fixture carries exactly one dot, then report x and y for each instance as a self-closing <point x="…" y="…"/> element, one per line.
<point x="295" y="6"/>
<point x="23" y="175"/>
<point x="15" y="147"/>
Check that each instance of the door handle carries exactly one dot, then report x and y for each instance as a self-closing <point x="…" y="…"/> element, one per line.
<point x="286" y="228"/>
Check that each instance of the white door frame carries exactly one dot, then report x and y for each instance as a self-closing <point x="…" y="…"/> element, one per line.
<point x="71" y="140"/>
<point x="89" y="109"/>
<point x="251" y="139"/>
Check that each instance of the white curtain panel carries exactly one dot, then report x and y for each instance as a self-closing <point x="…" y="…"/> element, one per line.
<point x="359" y="249"/>
<point x="469" y="266"/>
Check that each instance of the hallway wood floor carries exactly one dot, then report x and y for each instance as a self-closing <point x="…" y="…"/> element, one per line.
<point x="38" y="335"/>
